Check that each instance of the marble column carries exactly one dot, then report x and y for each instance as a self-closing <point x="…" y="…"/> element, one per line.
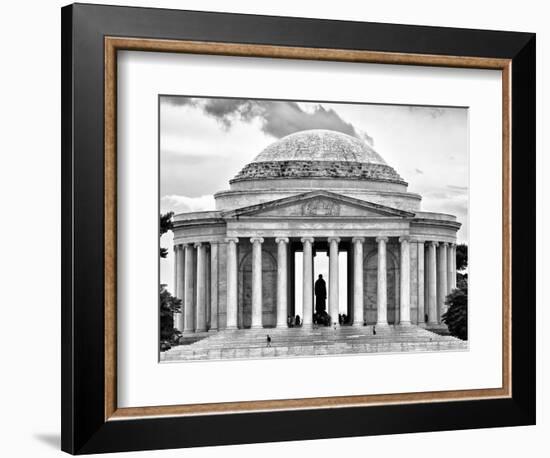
<point x="432" y="283"/>
<point x="442" y="278"/>
<point x="454" y="266"/>
<point x="214" y="278"/>
<point x="453" y="257"/>
<point x="358" y="316"/>
<point x="405" y="287"/>
<point x="207" y="284"/>
<point x="450" y="261"/>
<point x="381" y="290"/>
<point x="232" y="270"/>
<point x="189" y="300"/>
<point x="333" y="278"/>
<point x="282" y="281"/>
<point x="178" y="284"/>
<point x="200" y="318"/>
<point x="307" y="287"/>
<point x="177" y="248"/>
<point x="256" y="281"/>
<point x="420" y="283"/>
<point x="426" y="279"/>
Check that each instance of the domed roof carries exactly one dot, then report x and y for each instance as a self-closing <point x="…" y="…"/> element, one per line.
<point x="318" y="154"/>
<point x="320" y="145"/>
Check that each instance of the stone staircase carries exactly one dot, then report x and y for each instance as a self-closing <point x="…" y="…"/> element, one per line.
<point x="289" y="342"/>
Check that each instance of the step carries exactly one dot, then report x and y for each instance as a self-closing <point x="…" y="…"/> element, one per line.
<point x="311" y="350"/>
<point x="252" y="343"/>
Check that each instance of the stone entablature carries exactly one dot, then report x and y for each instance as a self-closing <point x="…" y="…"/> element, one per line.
<point x="315" y="213"/>
<point x="318" y="203"/>
<point x="319" y="169"/>
<point x="232" y="199"/>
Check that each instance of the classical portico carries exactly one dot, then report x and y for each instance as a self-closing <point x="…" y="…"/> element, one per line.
<point x="313" y="191"/>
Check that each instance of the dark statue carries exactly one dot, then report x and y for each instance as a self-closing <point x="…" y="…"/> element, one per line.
<point x="320" y="296"/>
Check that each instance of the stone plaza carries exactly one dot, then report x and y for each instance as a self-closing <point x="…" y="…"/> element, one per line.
<point x="314" y="192"/>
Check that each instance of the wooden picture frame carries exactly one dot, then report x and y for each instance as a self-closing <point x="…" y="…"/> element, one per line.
<point x="91" y="419"/>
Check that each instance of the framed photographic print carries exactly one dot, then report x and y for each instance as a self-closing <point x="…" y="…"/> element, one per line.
<point x="274" y="221"/>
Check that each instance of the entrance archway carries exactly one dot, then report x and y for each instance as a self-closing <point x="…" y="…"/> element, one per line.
<point x="269" y="300"/>
<point x="370" y="282"/>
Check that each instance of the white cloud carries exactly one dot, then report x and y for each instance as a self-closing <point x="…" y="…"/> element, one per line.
<point x="185" y="204"/>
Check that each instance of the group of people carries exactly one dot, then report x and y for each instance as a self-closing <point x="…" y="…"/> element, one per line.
<point x="344" y="319"/>
<point x="320" y="317"/>
<point x="294" y="321"/>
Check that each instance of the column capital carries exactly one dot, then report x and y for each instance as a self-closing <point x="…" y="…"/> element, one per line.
<point x="452" y="244"/>
<point x="256" y="240"/>
<point x="333" y="239"/>
<point x="231" y="239"/>
<point x="381" y="239"/>
<point x="177" y="247"/>
<point x="188" y="245"/>
<point x="214" y="242"/>
<point x="358" y="240"/>
<point x="433" y="243"/>
<point x="404" y="238"/>
<point x="198" y="244"/>
<point x="281" y="240"/>
<point x="307" y="239"/>
<point x="444" y="244"/>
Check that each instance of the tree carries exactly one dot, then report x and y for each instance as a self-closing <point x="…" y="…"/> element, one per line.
<point x="165" y="226"/>
<point x="168" y="303"/>
<point x="456" y="316"/>
<point x="168" y="306"/>
<point x="461" y="256"/>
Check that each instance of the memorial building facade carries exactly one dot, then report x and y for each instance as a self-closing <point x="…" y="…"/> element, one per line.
<point x="315" y="191"/>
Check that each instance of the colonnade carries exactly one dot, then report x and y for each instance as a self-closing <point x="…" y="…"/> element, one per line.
<point x="200" y="273"/>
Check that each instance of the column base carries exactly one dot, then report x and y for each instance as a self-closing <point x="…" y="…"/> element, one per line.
<point x="405" y="324"/>
<point x="358" y="324"/>
<point x="231" y="328"/>
<point x="382" y="325"/>
<point x="213" y="330"/>
<point x="257" y="326"/>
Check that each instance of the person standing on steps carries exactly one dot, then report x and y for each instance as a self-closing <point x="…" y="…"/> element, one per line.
<point x="268" y="340"/>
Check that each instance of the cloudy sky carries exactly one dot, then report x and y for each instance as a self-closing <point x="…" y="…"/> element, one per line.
<point x="204" y="142"/>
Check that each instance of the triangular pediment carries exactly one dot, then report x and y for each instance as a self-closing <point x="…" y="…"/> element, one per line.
<point x="318" y="204"/>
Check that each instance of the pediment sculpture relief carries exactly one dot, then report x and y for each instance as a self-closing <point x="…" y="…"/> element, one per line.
<point x="321" y="207"/>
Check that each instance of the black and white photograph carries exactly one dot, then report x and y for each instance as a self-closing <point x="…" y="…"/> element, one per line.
<point x="274" y="229"/>
<point x="292" y="228"/>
